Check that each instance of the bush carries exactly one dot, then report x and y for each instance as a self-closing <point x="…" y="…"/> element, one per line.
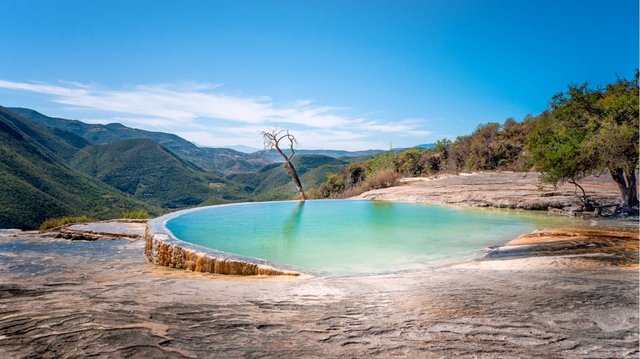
<point x="381" y="179"/>
<point x="136" y="215"/>
<point x="408" y="162"/>
<point x="381" y="161"/>
<point x="58" y="222"/>
<point x="359" y="177"/>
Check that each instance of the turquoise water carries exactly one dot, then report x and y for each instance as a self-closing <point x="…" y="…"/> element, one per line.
<point x="352" y="237"/>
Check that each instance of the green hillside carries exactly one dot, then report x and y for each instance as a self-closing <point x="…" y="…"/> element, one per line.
<point x="50" y="168"/>
<point x="211" y="159"/>
<point x="273" y="183"/>
<point x="227" y="160"/>
<point x="35" y="184"/>
<point x="224" y="160"/>
<point x="149" y="172"/>
<point x="56" y="142"/>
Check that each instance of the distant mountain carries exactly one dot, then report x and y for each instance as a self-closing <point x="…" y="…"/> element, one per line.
<point x="212" y="159"/>
<point x="273" y="182"/>
<point x="149" y="172"/>
<point x="55" y="167"/>
<point x="243" y="148"/>
<point x="35" y="184"/>
<point x="102" y="134"/>
<point x="424" y="146"/>
<point x="224" y="160"/>
<point x="59" y="142"/>
<point x="276" y="157"/>
<point x="227" y="160"/>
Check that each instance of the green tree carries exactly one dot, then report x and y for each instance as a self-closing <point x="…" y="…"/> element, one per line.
<point x="482" y="154"/>
<point x="615" y="141"/>
<point x="408" y="163"/>
<point x="589" y="131"/>
<point x="442" y="147"/>
<point x="385" y="160"/>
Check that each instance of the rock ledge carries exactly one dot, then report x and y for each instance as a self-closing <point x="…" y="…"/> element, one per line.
<point x="163" y="249"/>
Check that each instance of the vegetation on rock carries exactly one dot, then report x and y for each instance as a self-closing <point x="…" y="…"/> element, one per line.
<point x="51" y="167"/>
<point x="273" y="183"/>
<point x="585" y="132"/>
<point x="136" y="215"/>
<point x="59" y="222"/>
<point x="589" y="131"/>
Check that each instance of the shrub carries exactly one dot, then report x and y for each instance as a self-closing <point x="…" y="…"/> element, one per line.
<point x="380" y="179"/>
<point x="58" y="222"/>
<point x="136" y="215"/>
<point x="431" y="162"/>
<point x="408" y="162"/>
<point x="356" y="173"/>
<point x="381" y="161"/>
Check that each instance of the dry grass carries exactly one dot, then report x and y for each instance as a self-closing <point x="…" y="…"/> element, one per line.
<point x="381" y="179"/>
<point x="136" y="215"/>
<point x="58" y="222"/>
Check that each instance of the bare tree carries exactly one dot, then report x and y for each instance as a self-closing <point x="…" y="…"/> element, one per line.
<point x="272" y="141"/>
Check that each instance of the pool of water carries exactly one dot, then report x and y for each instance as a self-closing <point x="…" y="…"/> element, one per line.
<point x="353" y="237"/>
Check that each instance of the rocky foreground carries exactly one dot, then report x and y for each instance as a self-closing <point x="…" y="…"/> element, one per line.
<point x="561" y="293"/>
<point x="514" y="190"/>
<point x="79" y="299"/>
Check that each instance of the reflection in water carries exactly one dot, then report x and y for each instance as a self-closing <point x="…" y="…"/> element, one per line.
<point x="292" y="226"/>
<point x="285" y="243"/>
<point x="381" y="213"/>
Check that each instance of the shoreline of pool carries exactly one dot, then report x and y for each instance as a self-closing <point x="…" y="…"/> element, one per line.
<point x="163" y="248"/>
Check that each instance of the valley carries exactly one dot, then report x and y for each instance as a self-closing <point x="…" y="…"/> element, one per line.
<point x="53" y="167"/>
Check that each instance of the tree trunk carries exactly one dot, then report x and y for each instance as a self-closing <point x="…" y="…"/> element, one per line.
<point x="272" y="142"/>
<point x="588" y="205"/>
<point x="627" y="183"/>
<point x="632" y="183"/>
<point x="296" y="180"/>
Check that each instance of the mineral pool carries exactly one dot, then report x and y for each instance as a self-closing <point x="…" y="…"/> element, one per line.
<point x="347" y="237"/>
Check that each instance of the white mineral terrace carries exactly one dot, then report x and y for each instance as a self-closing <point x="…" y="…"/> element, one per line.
<point x="164" y="249"/>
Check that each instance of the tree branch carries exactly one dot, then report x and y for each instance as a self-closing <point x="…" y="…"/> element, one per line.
<point x="272" y="142"/>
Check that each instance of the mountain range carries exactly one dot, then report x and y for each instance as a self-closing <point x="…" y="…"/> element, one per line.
<point x="210" y="159"/>
<point x="36" y="183"/>
<point x="225" y="160"/>
<point x="51" y="167"/>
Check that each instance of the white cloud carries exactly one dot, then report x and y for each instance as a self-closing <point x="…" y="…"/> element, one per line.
<point x="203" y="114"/>
<point x="307" y="138"/>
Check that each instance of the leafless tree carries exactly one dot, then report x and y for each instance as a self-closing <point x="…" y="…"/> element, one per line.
<point x="272" y="141"/>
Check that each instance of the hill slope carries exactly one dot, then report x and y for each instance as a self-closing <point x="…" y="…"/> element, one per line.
<point x="272" y="182"/>
<point x="149" y="172"/>
<point x="35" y="184"/>
<point x="211" y="159"/>
<point x="224" y="160"/>
<point x="57" y="142"/>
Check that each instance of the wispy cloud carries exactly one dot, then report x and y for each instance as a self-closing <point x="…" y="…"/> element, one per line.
<point x="202" y="113"/>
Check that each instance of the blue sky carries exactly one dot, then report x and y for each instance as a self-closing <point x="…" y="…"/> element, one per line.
<point x="339" y="74"/>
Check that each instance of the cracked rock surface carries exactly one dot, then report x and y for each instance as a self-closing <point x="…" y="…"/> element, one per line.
<point x="515" y="190"/>
<point x="81" y="299"/>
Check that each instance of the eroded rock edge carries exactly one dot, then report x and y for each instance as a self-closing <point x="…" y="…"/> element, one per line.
<point x="163" y="250"/>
